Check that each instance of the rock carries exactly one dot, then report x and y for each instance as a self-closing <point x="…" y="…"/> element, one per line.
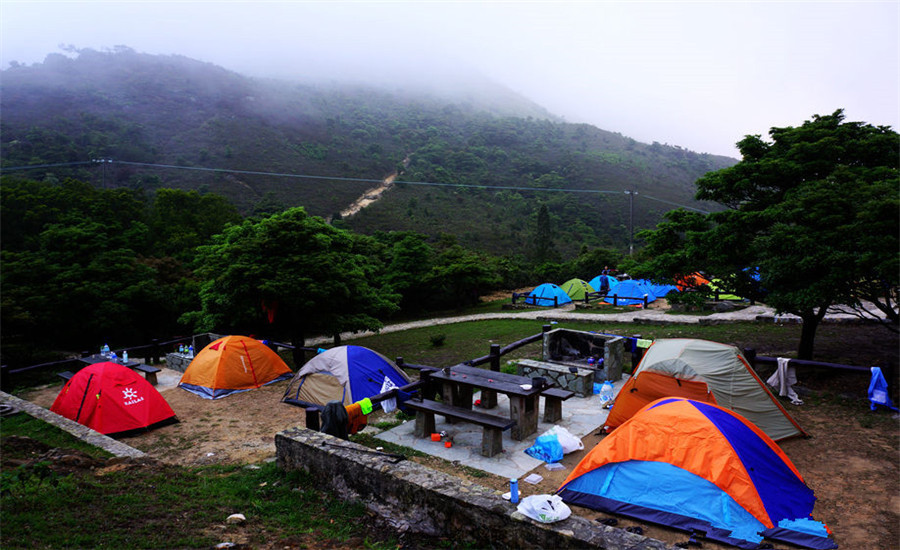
<point x="236" y="518"/>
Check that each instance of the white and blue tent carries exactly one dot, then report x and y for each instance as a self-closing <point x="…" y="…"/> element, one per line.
<point x="347" y="374"/>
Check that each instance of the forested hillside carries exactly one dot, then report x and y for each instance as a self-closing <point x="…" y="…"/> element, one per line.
<point x="211" y="126"/>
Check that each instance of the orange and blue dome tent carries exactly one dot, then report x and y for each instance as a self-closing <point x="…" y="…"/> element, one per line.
<point x="233" y="364"/>
<point x="700" y="468"/>
<point x="112" y="399"/>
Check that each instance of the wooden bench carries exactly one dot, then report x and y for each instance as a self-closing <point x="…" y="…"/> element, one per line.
<point x="149" y="372"/>
<point x="553" y="398"/>
<point x="66" y="375"/>
<point x="493" y="426"/>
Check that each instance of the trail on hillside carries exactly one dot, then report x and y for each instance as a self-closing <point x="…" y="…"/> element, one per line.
<point x="373" y="194"/>
<point x="370" y="196"/>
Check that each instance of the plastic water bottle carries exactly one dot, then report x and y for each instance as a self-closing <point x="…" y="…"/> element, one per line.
<point x="514" y="490"/>
<point x="125" y="356"/>
<point x="181" y="348"/>
<point x="104" y="351"/>
<point x="606" y="392"/>
<point x="190" y="351"/>
<point x="113" y="357"/>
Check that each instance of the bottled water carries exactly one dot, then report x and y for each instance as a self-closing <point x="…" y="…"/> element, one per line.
<point x="104" y="351"/>
<point x="125" y="356"/>
<point x="190" y="351"/>
<point x="606" y="392"/>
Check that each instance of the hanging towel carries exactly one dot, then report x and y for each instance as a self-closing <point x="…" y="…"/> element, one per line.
<point x="878" y="391"/>
<point x="356" y="420"/>
<point x="784" y="379"/>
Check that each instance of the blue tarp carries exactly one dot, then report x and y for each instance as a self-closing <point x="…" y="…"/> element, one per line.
<point x="633" y="291"/>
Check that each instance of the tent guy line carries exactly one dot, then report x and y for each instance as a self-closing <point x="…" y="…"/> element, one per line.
<point x="342" y="178"/>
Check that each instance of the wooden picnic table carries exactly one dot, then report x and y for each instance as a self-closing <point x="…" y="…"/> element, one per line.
<point x="458" y="383"/>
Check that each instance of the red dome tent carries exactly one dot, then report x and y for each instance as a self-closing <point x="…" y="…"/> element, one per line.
<point x="113" y="400"/>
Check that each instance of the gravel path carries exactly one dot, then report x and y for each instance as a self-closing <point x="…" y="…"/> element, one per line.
<point x="567" y="313"/>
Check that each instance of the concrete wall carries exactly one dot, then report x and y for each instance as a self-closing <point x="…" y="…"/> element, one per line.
<point x="417" y="498"/>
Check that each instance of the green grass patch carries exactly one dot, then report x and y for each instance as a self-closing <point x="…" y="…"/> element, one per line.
<point x="25" y="425"/>
<point x="470" y="340"/>
<point x="171" y="507"/>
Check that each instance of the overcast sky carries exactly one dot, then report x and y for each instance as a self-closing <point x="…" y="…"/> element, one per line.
<point x="700" y="75"/>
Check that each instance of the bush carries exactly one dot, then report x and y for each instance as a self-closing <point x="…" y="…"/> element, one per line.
<point x="437" y="340"/>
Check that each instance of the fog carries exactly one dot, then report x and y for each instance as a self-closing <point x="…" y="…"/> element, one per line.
<point x="699" y="75"/>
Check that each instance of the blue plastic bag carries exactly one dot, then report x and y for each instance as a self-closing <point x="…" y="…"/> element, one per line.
<point x="546" y="448"/>
<point x="878" y="391"/>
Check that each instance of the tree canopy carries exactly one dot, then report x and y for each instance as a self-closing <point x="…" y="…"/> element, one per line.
<point x="290" y="275"/>
<point x="813" y="214"/>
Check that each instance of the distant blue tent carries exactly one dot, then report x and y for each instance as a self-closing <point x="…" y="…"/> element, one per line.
<point x="597" y="283"/>
<point x="660" y="290"/>
<point x="543" y="296"/>
<point x="633" y="291"/>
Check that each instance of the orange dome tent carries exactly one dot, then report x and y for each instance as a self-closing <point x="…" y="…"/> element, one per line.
<point x="233" y="364"/>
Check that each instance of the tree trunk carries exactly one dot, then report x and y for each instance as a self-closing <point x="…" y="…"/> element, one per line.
<point x="298" y="341"/>
<point x="811" y="319"/>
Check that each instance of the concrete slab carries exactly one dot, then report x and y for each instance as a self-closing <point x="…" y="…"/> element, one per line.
<point x="581" y="416"/>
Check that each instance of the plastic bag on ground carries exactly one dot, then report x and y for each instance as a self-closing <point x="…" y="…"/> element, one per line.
<point x="544" y="508"/>
<point x="546" y="448"/>
<point x="569" y="441"/>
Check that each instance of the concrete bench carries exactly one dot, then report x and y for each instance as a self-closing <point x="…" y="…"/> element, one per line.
<point x="576" y="379"/>
<point x="149" y="372"/>
<point x="493" y="426"/>
<point x="553" y="398"/>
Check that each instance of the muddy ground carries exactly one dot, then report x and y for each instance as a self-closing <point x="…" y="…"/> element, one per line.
<point x="850" y="460"/>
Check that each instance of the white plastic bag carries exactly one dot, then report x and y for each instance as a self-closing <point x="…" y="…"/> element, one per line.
<point x="544" y="508"/>
<point x="388" y="405"/>
<point x="569" y="441"/>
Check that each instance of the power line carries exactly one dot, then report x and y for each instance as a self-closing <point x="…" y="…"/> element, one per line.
<point x="341" y="178"/>
<point x="35" y="166"/>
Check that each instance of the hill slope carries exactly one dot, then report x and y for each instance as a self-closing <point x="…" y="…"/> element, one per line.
<point x="213" y="126"/>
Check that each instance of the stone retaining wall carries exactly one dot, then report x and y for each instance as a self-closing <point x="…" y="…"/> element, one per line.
<point x="97" y="439"/>
<point x="414" y="497"/>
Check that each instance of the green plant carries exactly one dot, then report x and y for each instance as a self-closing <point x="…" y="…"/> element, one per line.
<point x="437" y="340"/>
<point x="691" y="301"/>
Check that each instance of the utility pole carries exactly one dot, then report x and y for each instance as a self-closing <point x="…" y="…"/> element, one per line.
<point x="631" y="193"/>
<point x="104" y="162"/>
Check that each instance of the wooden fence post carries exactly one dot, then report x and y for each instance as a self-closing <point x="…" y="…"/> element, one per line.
<point x="488" y="397"/>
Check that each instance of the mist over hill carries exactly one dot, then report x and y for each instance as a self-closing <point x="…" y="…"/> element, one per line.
<point x="471" y="159"/>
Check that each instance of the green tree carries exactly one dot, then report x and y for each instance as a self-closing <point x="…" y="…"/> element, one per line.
<point x="315" y="278"/>
<point x="543" y="237"/>
<point x="815" y="212"/>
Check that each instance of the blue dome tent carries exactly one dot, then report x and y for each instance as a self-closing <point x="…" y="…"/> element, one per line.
<point x="602" y="283"/>
<point x="544" y="295"/>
